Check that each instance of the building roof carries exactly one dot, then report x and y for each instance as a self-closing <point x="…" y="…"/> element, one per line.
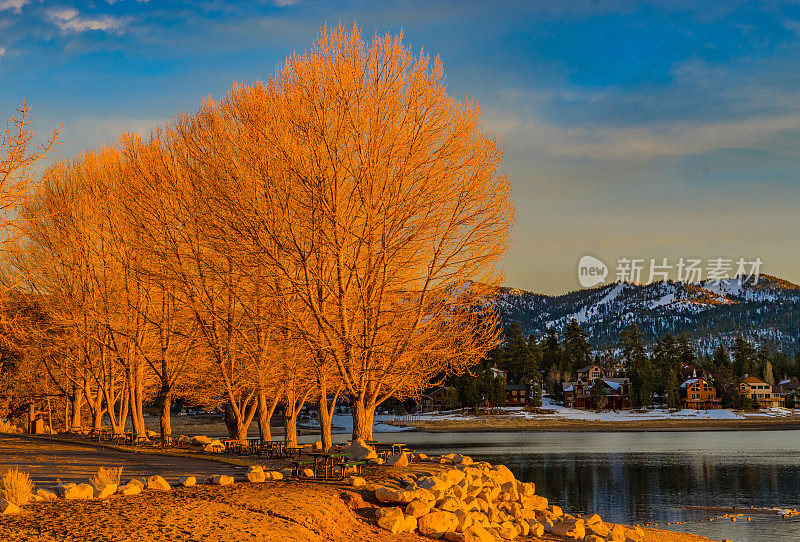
<point x="588" y="368"/>
<point x="568" y="386"/>
<point x="689" y="382"/>
<point x="751" y="379"/>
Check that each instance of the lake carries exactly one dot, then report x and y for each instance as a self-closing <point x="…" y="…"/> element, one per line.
<point x="646" y="477"/>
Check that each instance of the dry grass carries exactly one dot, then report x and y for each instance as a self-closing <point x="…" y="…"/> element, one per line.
<point x="106" y="476"/>
<point x="16" y="487"/>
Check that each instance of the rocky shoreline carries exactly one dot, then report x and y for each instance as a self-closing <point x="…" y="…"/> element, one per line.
<point x="409" y="497"/>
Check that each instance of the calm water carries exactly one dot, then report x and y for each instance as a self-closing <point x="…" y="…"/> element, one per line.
<point x="646" y="477"/>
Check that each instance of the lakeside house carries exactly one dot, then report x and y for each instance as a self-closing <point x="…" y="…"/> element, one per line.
<point x="589" y="395"/>
<point x="789" y="389"/>
<point x="590" y="372"/>
<point x="759" y="390"/>
<point x="700" y="393"/>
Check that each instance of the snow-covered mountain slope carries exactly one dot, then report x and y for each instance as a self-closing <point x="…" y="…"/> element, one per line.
<point x="712" y="313"/>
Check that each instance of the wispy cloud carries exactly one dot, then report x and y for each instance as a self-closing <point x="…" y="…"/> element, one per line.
<point x="70" y="20"/>
<point x="2" y="52"/>
<point x="16" y="5"/>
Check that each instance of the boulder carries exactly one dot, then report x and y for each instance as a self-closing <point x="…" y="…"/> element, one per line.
<point x="555" y="510"/>
<point x="73" y="492"/>
<point x="452" y="476"/>
<point x="591" y="519"/>
<point x="462" y="460"/>
<point x="507" y="531"/>
<point x="255" y="474"/>
<point x="152" y="434"/>
<point x="398" y="460"/>
<point x="600" y="529"/>
<point x="307" y="473"/>
<point x="358" y="450"/>
<point x="317" y="446"/>
<point x="200" y="440"/>
<point x="376" y="461"/>
<point x="130" y="489"/>
<point x="356" y="481"/>
<point x="476" y="533"/>
<point x="421" y="457"/>
<point x="187" y="481"/>
<point x="103" y="491"/>
<point x="392" y="519"/>
<point x="274" y="475"/>
<point x="395" y="496"/>
<point x="157" y="483"/>
<point x="533" y="502"/>
<point x="45" y="495"/>
<point x="535" y="529"/>
<point x="213" y="447"/>
<point x="136" y="482"/>
<point x="286" y="472"/>
<point x="449" y="504"/>
<point x="7" y="508"/>
<point x="436" y="523"/>
<point x="569" y="528"/>
<point x="453" y="536"/>
<point x="417" y="508"/>
<point x="221" y="480"/>
<point x="593" y="538"/>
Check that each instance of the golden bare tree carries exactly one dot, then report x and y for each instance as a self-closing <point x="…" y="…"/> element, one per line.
<point x="389" y="212"/>
<point x="18" y="154"/>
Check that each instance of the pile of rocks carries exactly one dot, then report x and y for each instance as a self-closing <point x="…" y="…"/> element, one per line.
<point x="481" y="503"/>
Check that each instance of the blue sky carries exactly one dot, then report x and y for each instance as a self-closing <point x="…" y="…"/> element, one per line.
<point x="631" y="129"/>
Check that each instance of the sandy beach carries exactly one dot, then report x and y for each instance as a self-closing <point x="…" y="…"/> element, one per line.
<point x="287" y="510"/>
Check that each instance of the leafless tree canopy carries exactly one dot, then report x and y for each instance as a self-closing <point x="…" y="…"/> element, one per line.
<point x="335" y="231"/>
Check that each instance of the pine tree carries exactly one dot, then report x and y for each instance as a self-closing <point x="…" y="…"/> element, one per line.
<point x="577" y="350"/>
<point x="743" y="356"/>
<point x="638" y="366"/>
<point x="552" y="354"/>
<point x="769" y="378"/>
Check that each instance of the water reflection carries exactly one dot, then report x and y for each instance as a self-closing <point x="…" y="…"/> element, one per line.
<point x="648" y="477"/>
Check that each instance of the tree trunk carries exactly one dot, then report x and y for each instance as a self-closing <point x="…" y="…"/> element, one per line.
<point x="325" y="418"/>
<point x="166" y="415"/>
<point x="265" y="411"/>
<point x="137" y="417"/>
<point x="77" y="404"/>
<point x="362" y="420"/>
<point x="230" y="421"/>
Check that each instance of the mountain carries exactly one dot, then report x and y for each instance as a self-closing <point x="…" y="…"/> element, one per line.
<point x="767" y="311"/>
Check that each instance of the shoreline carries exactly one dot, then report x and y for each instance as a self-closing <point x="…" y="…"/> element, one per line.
<point x="512" y="424"/>
<point x="281" y="511"/>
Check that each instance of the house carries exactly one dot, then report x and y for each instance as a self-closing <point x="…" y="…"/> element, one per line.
<point x="789" y="389"/>
<point x="690" y="370"/>
<point x="590" y="373"/>
<point x="755" y="388"/>
<point x="499" y="373"/>
<point x="579" y="394"/>
<point x="518" y="394"/>
<point x="700" y="393"/>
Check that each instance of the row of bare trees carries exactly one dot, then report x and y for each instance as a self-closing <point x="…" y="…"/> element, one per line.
<point x="334" y="232"/>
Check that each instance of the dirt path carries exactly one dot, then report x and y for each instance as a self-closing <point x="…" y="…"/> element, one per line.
<point x="47" y="461"/>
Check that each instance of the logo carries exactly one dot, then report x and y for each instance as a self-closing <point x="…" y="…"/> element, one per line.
<point x="591" y="271"/>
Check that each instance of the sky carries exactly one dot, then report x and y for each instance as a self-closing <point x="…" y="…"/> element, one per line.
<point x="632" y="130"/>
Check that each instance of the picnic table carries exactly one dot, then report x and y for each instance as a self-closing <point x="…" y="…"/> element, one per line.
<point x="329" y="461"/>
<point x="385" y="449"/>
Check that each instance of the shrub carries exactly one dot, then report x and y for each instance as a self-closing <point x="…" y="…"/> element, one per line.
<point x="16" y="487"/>
<point x="106" y="476"/>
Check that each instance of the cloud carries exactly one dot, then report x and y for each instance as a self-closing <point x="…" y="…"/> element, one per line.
<point x="659" y="139"/>
<point x="16" y="5"/>
<point x="2" y="51"/>
<point x="70" y="20"/>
